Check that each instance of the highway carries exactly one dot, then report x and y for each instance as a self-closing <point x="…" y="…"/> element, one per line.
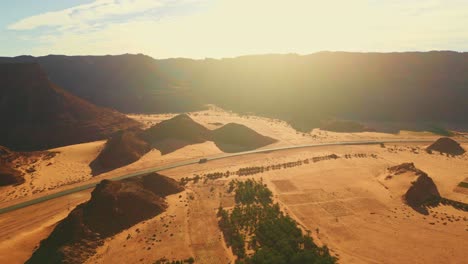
<point x="195" y="161"/>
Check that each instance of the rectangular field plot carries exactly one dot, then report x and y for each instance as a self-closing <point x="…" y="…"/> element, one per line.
<point x="336" y="208"/>
<point x="342" y="233"/>
<point x="311" y="196"/>
<point x="364" y="205"/>
<point x="462" y="187"/>
<point x="309" y="211"/>
<point x="284" y="186"/>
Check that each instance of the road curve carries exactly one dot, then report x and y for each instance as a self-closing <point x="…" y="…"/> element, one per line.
<point x="194" y="161"/>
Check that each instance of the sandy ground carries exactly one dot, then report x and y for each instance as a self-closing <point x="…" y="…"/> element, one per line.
<point x="144" y="242"/>
<point x="216" y="117"/>
<point x="22" y="230"/>
<point x="346" y="199"/>
<point x="70" y="167"/>
<point x="187" y="229"/>
<point x="347" y="206"/>
<point x="356" y="216"/>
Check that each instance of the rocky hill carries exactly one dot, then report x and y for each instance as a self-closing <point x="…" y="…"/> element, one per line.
<point x="123" y="148"/>
<point x="234" y="137"/>
<point x="416" y="188"/>
<point x="128" y="83"/>
<point x="113" y="207"/>
<point x="37" y="114"/>
<point x="421" y="191"/>
<point x="405" y="167"/>
<point x="9" y="175"/>
<point x="170" y="135"/>
<point x="446" y="145"/>
<point x="176" y="133"/>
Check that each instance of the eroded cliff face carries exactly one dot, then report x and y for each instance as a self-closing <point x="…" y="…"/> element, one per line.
<point x="37" y="114"/>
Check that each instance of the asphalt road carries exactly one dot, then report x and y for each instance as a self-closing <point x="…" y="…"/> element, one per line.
<point x="194" y="161"/>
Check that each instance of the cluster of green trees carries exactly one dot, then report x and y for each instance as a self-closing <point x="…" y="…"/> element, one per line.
<point x="260" y="169"/>
<point x="247" y="171"/>
<point x="328" y="157"/>
<point x="186" y="180"/>
<point x="359" y="155"/>
<point x="251" y="191"/>
<point x="257" y="224"/>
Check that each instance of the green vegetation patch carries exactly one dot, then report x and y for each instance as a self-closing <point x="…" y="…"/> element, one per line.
<point x="463" y="184"/>
<point x="257" y="225"/>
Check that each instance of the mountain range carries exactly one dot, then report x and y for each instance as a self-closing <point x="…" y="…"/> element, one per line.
<point x="410" y="90"/>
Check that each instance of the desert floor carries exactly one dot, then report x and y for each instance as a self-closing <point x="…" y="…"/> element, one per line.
<point x="70" y="165"/>
<point x="348" y="205"/>
<point x="345" y="203"/>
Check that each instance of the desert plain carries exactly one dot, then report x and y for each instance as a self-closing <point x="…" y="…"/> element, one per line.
<point x="345" y="197"/>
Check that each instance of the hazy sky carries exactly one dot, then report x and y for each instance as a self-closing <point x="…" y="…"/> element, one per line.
<point x="227" y="28"/>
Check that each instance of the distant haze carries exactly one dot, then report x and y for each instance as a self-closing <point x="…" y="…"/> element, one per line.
<point x="229" y="28"/>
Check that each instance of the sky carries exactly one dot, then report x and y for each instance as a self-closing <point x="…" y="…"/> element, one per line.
<point x="229" y="28"/>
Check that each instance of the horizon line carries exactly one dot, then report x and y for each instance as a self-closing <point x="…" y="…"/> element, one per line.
<point x="240" y="56"/>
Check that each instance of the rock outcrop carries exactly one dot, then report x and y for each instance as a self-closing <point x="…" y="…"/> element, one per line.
<point x="446" y="145"/>
<point x="421" y="192"/>
<point x="234" y="137"/>
<point x="114" y="206"/>
<point x="121" y="149"/>
<point x="175" y="133"/>
<point x="170" y="135"/>
<point x="36" y="114"/>
<point x="9" y="175"/>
